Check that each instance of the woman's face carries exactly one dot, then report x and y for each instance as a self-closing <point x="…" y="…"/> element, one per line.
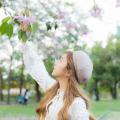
<point x="60" y="66"/>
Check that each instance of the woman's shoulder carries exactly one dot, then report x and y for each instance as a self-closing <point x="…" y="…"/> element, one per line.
<point x="78" y="103"/>
<point x="78" y="109"/>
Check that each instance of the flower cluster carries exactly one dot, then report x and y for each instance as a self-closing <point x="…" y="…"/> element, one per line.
<point x="96" y="11"/>
<point x="117" y="3"/>
<point x="25" y="22"/>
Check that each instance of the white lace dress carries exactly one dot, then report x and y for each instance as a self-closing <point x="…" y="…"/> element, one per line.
<point x="35" y="67"/>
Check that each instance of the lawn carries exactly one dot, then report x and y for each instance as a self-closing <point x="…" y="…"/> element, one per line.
<point x="17" y="110"/>
<point x="98" y="109"/>
<point x="102" y="107"/>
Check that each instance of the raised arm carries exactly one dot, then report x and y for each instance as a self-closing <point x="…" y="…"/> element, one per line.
<point x="34" y="66"/>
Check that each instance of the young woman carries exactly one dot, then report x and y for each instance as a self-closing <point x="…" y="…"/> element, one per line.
<point x="63" y="100"/>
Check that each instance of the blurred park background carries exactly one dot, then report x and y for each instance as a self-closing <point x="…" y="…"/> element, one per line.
<point x="56" y="26"/>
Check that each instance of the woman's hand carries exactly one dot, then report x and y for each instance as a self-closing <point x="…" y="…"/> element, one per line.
<point x="34" y="65"/>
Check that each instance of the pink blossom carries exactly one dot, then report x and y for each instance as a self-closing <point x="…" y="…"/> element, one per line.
<point x="60" y="14"/>
<point x="84" y="30"/>
<point x="20" y="18"/>
<point x="25" y="20"/>
<point x="70" y="26"/>
<point x="96" y="11"/>
<point x="117" y="3"/>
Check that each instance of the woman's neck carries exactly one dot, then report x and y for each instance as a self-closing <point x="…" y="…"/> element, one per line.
<point x="63" y="83"/>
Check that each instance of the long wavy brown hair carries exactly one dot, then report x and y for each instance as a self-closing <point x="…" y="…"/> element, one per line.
<point x="72" y="90"/>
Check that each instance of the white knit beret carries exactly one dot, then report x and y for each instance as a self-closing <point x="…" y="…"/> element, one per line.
<point x="83" y="66"/>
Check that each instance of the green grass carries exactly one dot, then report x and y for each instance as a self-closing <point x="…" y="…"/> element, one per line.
<point x="18" y="110"/>
<point x="98" y="108"/>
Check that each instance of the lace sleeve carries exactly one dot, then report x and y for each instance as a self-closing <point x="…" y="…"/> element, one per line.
<point x="78" y="110"/>
<point x="34" y="66"/>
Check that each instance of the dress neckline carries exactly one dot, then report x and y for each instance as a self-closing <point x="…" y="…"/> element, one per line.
<point x="60" y="91"/>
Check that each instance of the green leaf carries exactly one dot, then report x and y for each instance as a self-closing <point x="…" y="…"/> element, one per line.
<point x="34" y="27"/>
<point x="0" y="4"/>
<point x="16" y="21"/>
<point x="22" y="35"/>
<point x="3" y="28"/>
<point x="6" y="19"/>
<point x="49" y="26"/>
<point x="56" y="26"/>
<point x="30" y="28"/>
<point x="9" y="31"/>
<point x="19" y="34"/>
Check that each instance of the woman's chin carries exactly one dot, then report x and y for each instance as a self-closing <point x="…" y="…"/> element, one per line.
<point x="53" y="74"/>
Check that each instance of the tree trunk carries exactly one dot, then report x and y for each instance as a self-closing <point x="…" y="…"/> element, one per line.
<point x="111" y="91"/>
<point x="9" y="81"/>
<point x="1" y="87"/>
<point x="38" y="95"/>
<point x="21" y="78"/>
<point x="115" y="90"/>
<point x="96" y="91"/>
